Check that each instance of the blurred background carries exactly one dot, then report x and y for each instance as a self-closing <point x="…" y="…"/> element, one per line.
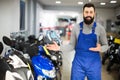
<point x="33" y="17"/>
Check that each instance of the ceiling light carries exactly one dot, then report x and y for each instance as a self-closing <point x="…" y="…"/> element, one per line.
<point x="89" y="0"/>
<point x="58" y="2"/>
<point x="80" y="3"/>
<point x="113" y="1"/>
<point x="102" y="3"/>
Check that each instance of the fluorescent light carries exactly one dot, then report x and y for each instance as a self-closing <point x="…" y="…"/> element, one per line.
<point x="80" y="3"/>
<point x="102" y="3"/>
<point x="58" y="2"/>
<point x="113" y="1"/>
<point x="89" y="0"/>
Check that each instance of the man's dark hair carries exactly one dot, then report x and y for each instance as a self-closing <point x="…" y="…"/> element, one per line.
<point x="88" y="5"/>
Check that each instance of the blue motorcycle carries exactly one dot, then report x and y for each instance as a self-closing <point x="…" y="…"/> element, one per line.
<point x="46" y="65"/>
<point x="43" y="66"/>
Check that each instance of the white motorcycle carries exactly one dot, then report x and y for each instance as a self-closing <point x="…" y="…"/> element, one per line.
<point x="19" y="66"/>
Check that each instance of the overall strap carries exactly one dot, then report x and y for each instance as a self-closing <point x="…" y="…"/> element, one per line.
<point x="81" y="26"/>
<point x="93" y="28"/>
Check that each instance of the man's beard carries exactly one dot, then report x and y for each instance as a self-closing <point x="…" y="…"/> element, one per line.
<point x="88" y="22"/>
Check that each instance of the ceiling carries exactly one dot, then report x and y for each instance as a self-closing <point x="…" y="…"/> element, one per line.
<point x="72" y="3"/>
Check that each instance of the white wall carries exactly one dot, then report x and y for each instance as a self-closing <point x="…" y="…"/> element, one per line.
<point x="105" y="14"/>
<point x="34" y="11"/>
<point x="39" y="15"/>
<point x="30" y="16"/>
<point x="49" y="16"/>
<point x="9" y="17"/>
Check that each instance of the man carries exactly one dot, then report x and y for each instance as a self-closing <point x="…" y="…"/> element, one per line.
<point x="87" y="39"/>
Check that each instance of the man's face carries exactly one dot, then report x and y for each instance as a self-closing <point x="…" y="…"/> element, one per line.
<point x="88" y="15"/>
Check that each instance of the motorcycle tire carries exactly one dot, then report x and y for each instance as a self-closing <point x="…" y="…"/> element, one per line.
<point x="58" y="75"/>
<point x="105" y="57"/>
<point x="110" y="64"/>
<point x="119" y="75"/>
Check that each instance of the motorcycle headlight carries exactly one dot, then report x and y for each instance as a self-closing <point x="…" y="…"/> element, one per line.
<point x="39" y="77"/>
<point x="50" y="73"/>
<point x="54" y="58"/>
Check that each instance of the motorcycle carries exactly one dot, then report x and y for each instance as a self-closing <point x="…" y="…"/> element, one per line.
<point x="4" y="67"/>
<point x="7" y="72"/>
<point x="17" y="62"/>
<point x="113" y="58"/>
<point x="107" y="53"/>
<point x="119" y="60"/>
<point x="112" y="53"/>
<point x="47" y="63"/>
<point x="45" y="66"/>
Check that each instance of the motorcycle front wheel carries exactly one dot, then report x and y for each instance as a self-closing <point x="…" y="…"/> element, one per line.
<point x="58" y="75"/>
<point x="41" y="78"/>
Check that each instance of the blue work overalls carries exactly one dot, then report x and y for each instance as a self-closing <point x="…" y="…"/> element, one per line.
<point x="86" y="63"/>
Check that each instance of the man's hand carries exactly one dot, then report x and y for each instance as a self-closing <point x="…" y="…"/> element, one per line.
<point x="53" y="46"/>
<point x="98" y="48"/>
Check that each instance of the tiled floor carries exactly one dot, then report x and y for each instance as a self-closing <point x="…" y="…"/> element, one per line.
<point x="66" y="69"/>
